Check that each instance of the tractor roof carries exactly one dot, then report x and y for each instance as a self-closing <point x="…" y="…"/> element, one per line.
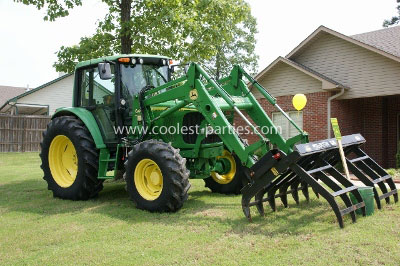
<point x="114" y="58"/>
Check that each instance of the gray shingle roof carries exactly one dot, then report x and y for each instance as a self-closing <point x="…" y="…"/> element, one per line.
<point x="387" y="40"/>
<point x="319" y="74"/>
<point x="8" y="92"/>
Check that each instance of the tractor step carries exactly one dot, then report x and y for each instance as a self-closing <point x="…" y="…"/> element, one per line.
<point x="313" y="165"/>
<point x="104" y="163"/>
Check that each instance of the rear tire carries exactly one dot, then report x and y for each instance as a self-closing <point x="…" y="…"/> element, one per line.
<point x="156" y="177"/>
<point x="233" y="187"/>
<point x="70" y="159"/>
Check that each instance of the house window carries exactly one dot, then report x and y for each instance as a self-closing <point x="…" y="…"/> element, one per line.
<point x="288" y="130"/>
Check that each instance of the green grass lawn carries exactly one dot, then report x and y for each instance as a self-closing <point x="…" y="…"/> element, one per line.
<point x="210" y="229"/>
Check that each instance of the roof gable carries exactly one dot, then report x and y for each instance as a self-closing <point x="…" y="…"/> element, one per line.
<point x="327" y="83"/>
<point x="322" y="29"/>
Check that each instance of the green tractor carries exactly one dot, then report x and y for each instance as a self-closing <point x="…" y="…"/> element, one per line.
<point x="130" y="119"/>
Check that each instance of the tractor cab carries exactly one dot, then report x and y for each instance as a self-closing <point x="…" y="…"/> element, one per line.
<point x="107" y="87"/>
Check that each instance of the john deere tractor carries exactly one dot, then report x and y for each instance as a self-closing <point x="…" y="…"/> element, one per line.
<point x="129" y="118"/>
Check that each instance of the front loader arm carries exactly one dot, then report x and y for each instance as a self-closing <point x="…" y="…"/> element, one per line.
<point x="211" y="99"/>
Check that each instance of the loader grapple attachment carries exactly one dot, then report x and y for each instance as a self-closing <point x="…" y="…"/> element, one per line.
<point x="313" y="165"/>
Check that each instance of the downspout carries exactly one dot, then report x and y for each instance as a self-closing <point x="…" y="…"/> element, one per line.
<point x="328" y="124"/>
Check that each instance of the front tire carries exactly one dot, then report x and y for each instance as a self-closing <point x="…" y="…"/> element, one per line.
<point x="156" y="177"/>
<point x="70" y="159"/>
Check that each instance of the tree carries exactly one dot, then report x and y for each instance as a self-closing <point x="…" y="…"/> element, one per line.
<point x="55" y="9"/>
<point x="240" y="51"/>
<point x="394" y="20"/>
<point x="217" y="33"/>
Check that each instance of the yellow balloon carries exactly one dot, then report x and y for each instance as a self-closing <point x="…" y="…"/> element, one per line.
<point x="299" y="101"/>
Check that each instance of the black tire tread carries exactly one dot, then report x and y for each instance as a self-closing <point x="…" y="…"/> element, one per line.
<point x="90" y="185"/>
<point x="176" y="171"/>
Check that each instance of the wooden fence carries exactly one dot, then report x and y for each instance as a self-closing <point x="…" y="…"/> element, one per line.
<point x="20" y="133"/>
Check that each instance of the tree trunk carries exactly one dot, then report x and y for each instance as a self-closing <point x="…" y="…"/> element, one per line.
<point x="126" y="31"/>
<point x="217" y="65"/>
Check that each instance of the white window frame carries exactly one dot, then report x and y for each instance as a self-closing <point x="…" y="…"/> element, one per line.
<point x="300" y="113"/>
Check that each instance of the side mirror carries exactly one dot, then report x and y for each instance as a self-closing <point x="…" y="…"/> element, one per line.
<point x="105" y="71"/>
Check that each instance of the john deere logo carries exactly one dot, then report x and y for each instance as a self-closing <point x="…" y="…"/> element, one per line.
<point x="193" y="94"/>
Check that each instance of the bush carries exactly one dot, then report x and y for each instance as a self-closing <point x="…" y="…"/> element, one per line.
<point x="391" y="171"/>
<point x="395" y="173"/>
<point x="398" y="157"/>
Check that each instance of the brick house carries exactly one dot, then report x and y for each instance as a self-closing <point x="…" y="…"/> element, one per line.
<point x="354" y="78"/>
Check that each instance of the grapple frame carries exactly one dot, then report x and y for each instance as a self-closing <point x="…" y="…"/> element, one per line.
<point x="313" y="164"/>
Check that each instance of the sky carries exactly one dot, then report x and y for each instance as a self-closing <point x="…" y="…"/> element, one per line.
<point x="28" y="43"/>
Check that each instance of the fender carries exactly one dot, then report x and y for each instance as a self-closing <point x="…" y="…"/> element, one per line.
<point x="87" y="118"/>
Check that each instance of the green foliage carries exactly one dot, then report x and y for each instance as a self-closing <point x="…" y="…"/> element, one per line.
<point x="398" y="157"/>
<point x="216" y="33"/>
<point x="100" y="44"/>
<point x="395" y="173"/>
<point x="394" y="20"/>
<point x="238" y="51"/>
<point x="54" y="8"/>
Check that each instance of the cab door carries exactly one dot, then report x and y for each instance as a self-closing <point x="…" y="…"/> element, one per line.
<point x="98" y="96"/>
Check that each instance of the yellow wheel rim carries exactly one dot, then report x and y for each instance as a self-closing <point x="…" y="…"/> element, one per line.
<point x="148" y="179"/>
<point x="228" y="177"/>
<point x="63" y="161"/>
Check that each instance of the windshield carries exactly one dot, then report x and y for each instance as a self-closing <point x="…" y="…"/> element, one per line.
<point x="136" y="77"/>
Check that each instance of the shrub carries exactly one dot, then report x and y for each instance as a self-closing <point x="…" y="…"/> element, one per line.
<point x="391" y="171"/>
<point x="398" y="157"/>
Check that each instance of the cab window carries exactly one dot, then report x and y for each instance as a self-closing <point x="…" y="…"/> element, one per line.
<point x="95" y="91"/>
<point x="98" y="96"/>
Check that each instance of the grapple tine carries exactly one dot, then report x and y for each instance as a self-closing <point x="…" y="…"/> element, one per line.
<point x="261" y="178"/>
<point x="283" y="195"/>
<point x="304" y="189"/>
<point x="246" y="209"/>
<point x="271" y="200"/>
<point x="272" y="192"/>
<point x="266" y="178"/>
<point x="259" y="199"/>
<point x="315" y="192"/>
<point x="295" y="192"/>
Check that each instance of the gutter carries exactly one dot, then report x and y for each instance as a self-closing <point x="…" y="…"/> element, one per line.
<point x="9" y="102"/>
<point x="328" y="124"/>
<point x="4" y="105"/>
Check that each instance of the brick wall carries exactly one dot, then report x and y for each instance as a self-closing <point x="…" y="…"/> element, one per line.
<point x="376" y="119"/>
<point x="393" y="130"/>
<point x="314" y="114"/>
